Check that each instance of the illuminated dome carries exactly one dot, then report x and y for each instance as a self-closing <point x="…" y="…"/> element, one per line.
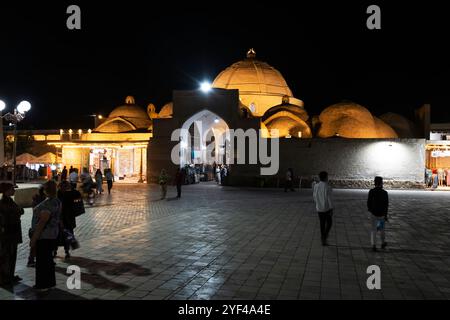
<point x="260" y="85"/>
<point x="351" y="120"/>
<point x="128" y="117"/>
<point x="288" y="119"/>
<point x="404" y="127"/>
<point x="166" y="111"/>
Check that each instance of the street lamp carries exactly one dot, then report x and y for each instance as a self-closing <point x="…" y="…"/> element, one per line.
<point x="14" y="118"/>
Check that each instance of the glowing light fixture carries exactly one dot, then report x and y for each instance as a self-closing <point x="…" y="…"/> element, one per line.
<point x="216" y="120"/>
<point x="2" y="105"/>
<point x="205" y="86"/>
<point x="24" y="106"/>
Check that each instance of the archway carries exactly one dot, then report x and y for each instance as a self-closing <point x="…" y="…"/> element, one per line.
<point x="204" y="140"/>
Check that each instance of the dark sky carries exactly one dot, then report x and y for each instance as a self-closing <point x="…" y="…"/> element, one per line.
<point x="324" y="51"/>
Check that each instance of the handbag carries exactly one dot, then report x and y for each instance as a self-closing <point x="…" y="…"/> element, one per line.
<point x="70" y="239"/>
<point x="78" y="207"/>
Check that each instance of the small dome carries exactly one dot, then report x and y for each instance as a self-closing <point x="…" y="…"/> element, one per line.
<point x="258" y="83"/>
<point x="404" y="127"/>
<point x="166" y="111"/>
<point x="128" y="117"/>
<point x="129" y="110"/>
<point x="351" y="120"/>
<point x="383" y="129"/>
<point x="286" y="107"/>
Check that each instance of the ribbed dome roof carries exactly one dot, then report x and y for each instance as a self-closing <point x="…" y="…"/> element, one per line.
<point x="253" y="76"/>
<point x="129" y="110"/>
<point x="260" y="85"/>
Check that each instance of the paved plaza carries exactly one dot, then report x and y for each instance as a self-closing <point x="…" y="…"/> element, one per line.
<point x="236" y="243"/>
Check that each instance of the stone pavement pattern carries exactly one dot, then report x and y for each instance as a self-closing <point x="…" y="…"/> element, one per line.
<point x="236" y="243"/>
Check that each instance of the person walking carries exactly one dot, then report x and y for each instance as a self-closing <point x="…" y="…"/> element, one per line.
<point x="163" y="177"/>
<point x="322" y="194"/>
<point x="37" y="199"/>
<point x="64" y="174"/>
<point x="179" y="178"/>
<point x="67" y="196"/>
<point x="289" y="184"/>
<point x="10" y="235"/>
<point x="99" y="181"/>
<point x="45" y="229"/>
<point x="73" y="179"/>
<point x="377" y="204"/>
<point x="109" y="179"/>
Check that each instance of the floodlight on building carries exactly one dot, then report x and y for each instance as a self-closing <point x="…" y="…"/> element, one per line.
<point x="216" y="120"/>
<point x="70" y="131"/>
<point x="100" y="116"/>
<point x="205" y="86"/>
<point x="61" y="131"/>
<point x="299" y="134"/>
<point x="89" y="131"/>
<point x="80" y="131"/>
<point x="2" y="105"/>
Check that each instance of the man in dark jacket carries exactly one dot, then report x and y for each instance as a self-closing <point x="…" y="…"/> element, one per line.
<point x="377" y="204"/>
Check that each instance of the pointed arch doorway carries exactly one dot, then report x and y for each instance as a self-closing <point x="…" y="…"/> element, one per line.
<point x="204" y="140"/>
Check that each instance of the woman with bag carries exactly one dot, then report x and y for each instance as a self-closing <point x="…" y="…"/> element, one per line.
<point x="45" y="229"/>
<point x="10" y="234"/>
<point x="69" y="199"/>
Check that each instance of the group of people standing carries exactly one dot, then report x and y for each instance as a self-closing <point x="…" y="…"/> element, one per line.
<point x="55" y="208"/>
<point x="377" y="205"/>
<point x="54" y="213"/>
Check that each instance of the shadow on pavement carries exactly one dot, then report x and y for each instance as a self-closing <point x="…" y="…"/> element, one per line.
<point x="22" y="291"/>
<point x="93" y="268"/>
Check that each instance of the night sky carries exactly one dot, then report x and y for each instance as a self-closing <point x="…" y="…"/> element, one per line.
<point x="325" y="52"/>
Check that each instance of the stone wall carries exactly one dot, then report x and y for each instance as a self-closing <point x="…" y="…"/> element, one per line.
<point x="351" y="163"/>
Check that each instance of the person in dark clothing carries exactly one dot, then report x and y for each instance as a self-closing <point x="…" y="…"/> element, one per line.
<point x="71" y="169"/>
<point x="64" y="174"/>
<point x="45" y="229"/>
<point x="67" y="196"/>
<point x="10" y="234"/>
<point x="289" y="180"/>
<point x="37" y="199"/>
<point x="179" y="178"/>
<point x="377" y="204"/>
<point x="109" y="179"/>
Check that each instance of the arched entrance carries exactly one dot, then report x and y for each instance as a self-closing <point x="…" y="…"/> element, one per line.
<point x="204" y="140"/>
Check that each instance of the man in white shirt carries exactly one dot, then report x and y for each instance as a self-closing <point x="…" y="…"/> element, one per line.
<point x="322" y="194"/>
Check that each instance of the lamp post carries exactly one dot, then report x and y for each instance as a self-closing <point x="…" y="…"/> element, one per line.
<point x="14" y="118"/>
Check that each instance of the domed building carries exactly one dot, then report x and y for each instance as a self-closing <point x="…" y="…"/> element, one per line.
<point x="404" y="127"/>
<point x="285" y="120"/>
<point x="126" y="118"/>
<point x="260" y="85"/>
<point x="351" y="120"/>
